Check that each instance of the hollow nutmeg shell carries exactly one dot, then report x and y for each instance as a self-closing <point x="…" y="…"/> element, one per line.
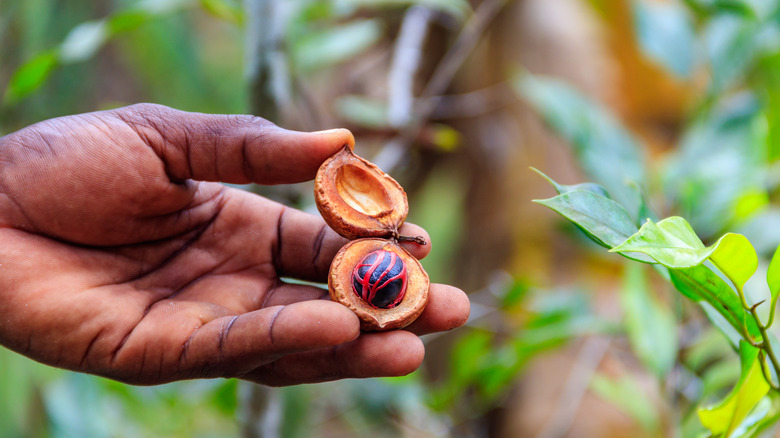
<point x="357" y="199"/>
<point x="341" y="281"/>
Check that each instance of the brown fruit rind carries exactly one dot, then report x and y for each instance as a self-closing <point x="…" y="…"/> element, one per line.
<point x="357" y="199"/>
<point x="371" y="318"/>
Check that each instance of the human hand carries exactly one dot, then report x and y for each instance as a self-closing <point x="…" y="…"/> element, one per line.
<point x="122" y="256"/>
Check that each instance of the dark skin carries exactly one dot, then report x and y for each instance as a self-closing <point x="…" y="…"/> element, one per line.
<point x="122" y="256"/>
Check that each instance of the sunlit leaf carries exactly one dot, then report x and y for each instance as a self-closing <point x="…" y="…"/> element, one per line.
<point x="734" y="256"/>
<point x="673" y="243"/>
<point x="363" y="111"/>
<point x="126" y="21"/>
<point x="759" y="414"/>
<point x="773" y="280"/>
<point x="766" y="415"/>
<point x="725" y="417"/>
<point x="665" y="34"/>
<point x="749" y="203"/>
<point x="224" y="9"/>
<point x="83" y="41"/>
<point x="30" y="76"/>
<point x="335" y="44"/>
<point x="650" y="325"/>
<point x="605" y="149"/>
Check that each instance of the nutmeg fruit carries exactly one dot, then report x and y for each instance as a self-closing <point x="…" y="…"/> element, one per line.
<point x="373" y="275"/>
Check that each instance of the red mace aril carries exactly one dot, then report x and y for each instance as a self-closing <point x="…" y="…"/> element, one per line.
<point x="373" y="274"/>
<point x="380" y="279"/>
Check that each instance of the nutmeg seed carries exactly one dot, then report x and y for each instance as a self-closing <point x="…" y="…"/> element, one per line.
<point x="380" y="279"/>
<point x="372" y="318"/>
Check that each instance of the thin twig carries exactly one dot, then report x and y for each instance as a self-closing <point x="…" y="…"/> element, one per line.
<point x="456" y="56"/>
<point x="442" y="76"/>
<point x="266" y="63"/>
<point x="406" y="63"/>
<point x="404" y="67"/>
<point x="766" y="345"/>
<point x="765" y="370"/>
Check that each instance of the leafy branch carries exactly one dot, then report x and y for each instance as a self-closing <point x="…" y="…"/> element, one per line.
<point x="698" y="272"/>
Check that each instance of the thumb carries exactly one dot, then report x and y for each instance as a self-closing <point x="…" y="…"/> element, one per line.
<point x="236" y="149"/>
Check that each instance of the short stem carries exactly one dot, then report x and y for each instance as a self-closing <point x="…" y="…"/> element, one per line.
<point x="741" y="294"/>
<point x="416" y="239"/>
<point x="765" y="371"/>
<point x="766" y="345"/>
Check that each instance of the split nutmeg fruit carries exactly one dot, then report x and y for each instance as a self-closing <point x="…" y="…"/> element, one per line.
<point x="373" y="275"/>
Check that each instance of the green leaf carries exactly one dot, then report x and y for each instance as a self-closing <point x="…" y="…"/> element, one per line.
<point x="665" y="34"/>
<point x="30" y="76"/>
<point x="766" y="414"/>
<point x="721" y="159"/>
<point x="753" y="423"/>
<point x="605" y="149"/>
<point x="735" y="257"/>
<point x="651" y="326"/>
<point x="226" y="10"/>
<point x="563" y="188"/>
<point x="363" y="111"/>
<point x="514" y="294"/>
<point x="725" y="417"/>
<point x="126" y="21"/>
<point x="700" y="283"/>
<point x="330" y="46"/>
<point x="605" y="221"/>
<point x="773" y="280"/>
<point x="83" y="41"/>
<point x="673" y="243"/>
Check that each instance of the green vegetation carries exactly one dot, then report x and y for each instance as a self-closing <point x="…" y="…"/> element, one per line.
<point x="696" y="213"/>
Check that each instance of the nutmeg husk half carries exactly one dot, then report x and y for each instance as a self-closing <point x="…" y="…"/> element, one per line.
<point x="357" y="199"/>
<point x="340" y="282"/>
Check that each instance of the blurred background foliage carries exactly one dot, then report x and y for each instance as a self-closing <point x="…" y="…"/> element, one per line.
<point x="676" y="102"/>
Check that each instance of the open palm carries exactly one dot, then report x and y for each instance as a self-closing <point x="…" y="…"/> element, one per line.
<point x="121" y="255"/>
